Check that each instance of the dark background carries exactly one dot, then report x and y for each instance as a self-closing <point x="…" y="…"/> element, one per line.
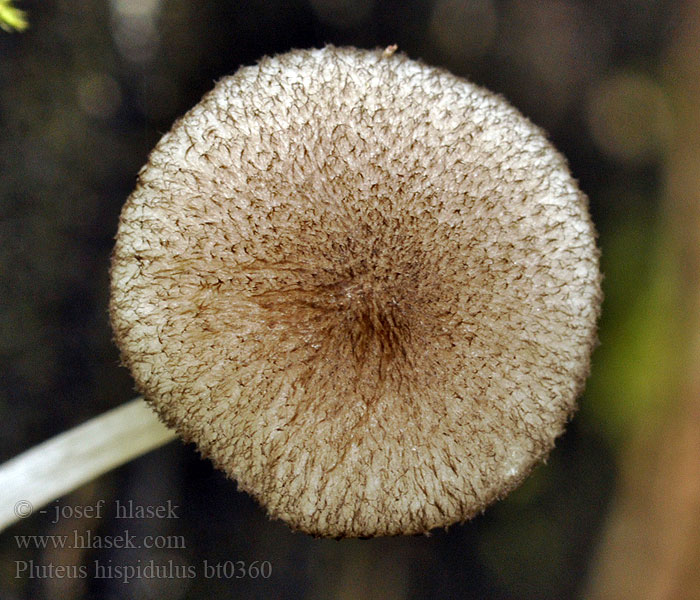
<point x="90" y="87"/>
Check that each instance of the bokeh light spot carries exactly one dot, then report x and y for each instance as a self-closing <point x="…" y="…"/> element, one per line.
<point x="629" y="117"/>
<point x="463" y="29"/>
<point x="98" y="95"/>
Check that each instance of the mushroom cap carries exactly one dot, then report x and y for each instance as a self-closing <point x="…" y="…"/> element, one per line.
<point x="365" y="288"/>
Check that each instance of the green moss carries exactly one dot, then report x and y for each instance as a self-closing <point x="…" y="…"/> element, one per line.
<point x="12" y="18"/>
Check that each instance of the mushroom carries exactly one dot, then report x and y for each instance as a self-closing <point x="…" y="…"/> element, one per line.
<point x="365" y="288"/>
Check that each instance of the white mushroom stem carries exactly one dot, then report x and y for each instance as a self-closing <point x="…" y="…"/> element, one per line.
<point x="63" y="463"/>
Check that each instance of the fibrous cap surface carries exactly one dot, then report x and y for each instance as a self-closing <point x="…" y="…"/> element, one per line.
<point x="365" y="288"/>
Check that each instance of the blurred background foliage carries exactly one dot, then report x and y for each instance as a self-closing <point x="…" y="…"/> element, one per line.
<point x="89" y="88"/>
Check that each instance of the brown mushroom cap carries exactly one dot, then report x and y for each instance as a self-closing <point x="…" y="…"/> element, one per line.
<point x="365" y="288"/>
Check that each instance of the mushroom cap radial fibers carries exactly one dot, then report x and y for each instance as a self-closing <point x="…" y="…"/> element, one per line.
<point x="365" y="288"/>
